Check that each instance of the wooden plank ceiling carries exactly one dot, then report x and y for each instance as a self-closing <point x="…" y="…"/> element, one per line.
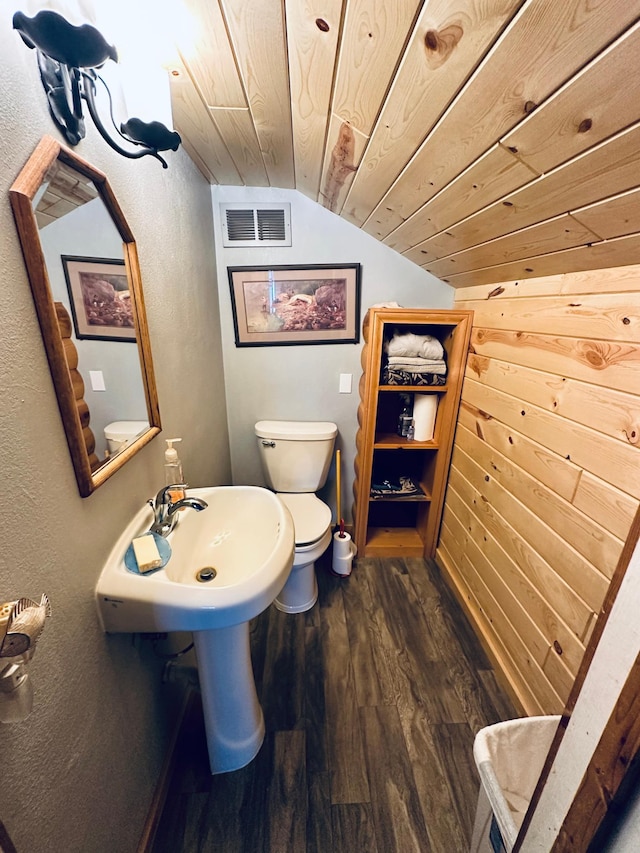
<point x="486" y="140"/>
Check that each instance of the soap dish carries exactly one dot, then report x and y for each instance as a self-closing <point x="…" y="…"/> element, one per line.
<point x="163" y="548"/>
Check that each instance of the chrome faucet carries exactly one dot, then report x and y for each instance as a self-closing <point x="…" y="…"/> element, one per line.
<point x="165" y="510"/>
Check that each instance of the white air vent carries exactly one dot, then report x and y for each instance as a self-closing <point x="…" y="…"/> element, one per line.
<point x="256" y="224"/>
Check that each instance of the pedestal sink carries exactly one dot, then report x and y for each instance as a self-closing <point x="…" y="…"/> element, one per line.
<point x="227" y="564"/>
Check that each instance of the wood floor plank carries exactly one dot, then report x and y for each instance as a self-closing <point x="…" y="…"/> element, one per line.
<point x="397" y="815"/>
<point x="371" y="699"/>
<point x="406" y="619"/>
<point x="320" y="837"/>
<point x="364" y="637"/>
<point x="353" y="829"/>
<point x="433" y="783"/>
<point x="314" y="721"/>
<point x="287" y="800"/>
<point x="283" y="676"/>
<point x="454" y="742"/>
<point x="498" y="697"/>
<point x="412" y="645"/>
<point x="457" y="646"/>
<point x="349" y="782"/>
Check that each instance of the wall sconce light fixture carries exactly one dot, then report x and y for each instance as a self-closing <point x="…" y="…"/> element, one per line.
<point x="68" y="57"/>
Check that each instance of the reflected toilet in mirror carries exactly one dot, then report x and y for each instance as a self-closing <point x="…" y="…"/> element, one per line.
<point x="83" y="269"/>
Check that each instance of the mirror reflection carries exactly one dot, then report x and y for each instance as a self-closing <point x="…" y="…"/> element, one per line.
<point x="82" y="264"/>
<point x="86" y="268"/>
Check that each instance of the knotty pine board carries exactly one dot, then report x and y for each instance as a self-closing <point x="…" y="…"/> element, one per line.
<point x="615" y="280"/>
<point x="594" y="256"/>
<point x="515" y="77"/>
<point x="522" y="667"/>
<point x="374" y="39"/>
<point x="607" y="169"/>
<point x="614" y="413"/>
<point x="569" y="606"/>
<point x="451" y="37"/>
<point x="494" y="175"/>
<point x="259" y="45"/>
<point x="525" y="606"/>
<point x="610" y="459"/>
<point x="554" y="235"/>
<point x="450" y="554"/>
<point x="596" y="544"/>
<point x="311" y="52"/>
<point x="577" y="572"/>
<point x="566" y="124"/>
<point x="602" y="97"/>
<point x="546" y="464"/>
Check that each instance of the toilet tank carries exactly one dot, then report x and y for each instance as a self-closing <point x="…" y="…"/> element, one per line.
<point x="295" y="455"/>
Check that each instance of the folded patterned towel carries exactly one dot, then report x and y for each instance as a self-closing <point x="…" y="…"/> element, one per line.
<point x="390" y="376"/>
<point x="411" y="345"/>
<point x="405" y="487"/>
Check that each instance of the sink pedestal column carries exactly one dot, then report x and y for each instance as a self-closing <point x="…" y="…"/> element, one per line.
<point x="233" y="717"/>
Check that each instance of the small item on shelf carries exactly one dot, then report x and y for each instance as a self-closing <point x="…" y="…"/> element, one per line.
<point x="404" y="421"/>
<point x="391" y="376"/>
<point x="414" y="360"/>
<point x="403" y="488"/>
<point x="411" y="432"/>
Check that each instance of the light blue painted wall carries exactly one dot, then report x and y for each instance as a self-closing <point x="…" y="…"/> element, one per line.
<point x="301" y="382"/>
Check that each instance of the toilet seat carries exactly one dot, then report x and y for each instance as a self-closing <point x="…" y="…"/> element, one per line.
<point x="311" y="517"/>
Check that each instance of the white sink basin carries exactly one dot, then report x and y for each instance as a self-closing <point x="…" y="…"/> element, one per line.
<point x="245" y="535"/>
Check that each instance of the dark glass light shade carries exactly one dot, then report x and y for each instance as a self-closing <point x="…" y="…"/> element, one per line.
<point x="68" y="57"/>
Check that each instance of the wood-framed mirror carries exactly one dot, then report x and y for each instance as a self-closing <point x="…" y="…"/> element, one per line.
<point x="82" y="264"/>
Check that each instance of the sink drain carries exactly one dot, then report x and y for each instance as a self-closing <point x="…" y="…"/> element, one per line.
<point x="206" y="574"/>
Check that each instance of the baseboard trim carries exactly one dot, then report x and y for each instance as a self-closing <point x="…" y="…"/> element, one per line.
<point x="152" y="822"/>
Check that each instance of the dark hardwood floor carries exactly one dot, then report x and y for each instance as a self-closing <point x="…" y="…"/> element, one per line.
<point x="371" y="702"/>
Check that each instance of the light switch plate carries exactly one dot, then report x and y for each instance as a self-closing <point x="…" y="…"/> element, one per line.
<point x="96" y="377"/>
<point x="345" y="383"/>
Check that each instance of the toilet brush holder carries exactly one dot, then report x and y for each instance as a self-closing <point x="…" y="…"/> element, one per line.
<point x="344" y="550"/>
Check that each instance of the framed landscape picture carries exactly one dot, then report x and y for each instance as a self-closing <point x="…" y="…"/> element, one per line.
<point x="284" y="305"/>
<point x="100" y="299"/>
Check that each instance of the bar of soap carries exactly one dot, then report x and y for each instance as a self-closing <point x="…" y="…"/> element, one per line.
<point x="146" y="553"/>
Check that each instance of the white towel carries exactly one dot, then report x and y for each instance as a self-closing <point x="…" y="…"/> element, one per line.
<point x="418" y="365"/>
<point x="415" y="361"/>
<point x="412" y="345"/>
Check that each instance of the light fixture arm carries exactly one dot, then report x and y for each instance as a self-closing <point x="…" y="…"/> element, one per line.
<point x="67" y="59"/>
<point x="148" y="132"/>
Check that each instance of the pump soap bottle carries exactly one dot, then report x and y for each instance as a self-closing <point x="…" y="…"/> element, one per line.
<point x="173" y="470"/>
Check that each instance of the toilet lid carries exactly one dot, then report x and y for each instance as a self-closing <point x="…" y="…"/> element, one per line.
<point x="311" y="517"/>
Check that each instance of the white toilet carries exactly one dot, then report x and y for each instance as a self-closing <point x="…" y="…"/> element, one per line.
<point x="119" y="434"/>
<point x="296" y="456"/>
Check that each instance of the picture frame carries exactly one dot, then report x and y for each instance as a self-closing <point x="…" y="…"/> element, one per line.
<point x="289" y="305"/>
<point x="99" y="295"/>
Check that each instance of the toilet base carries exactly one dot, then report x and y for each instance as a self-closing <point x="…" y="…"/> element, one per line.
<point x="300" y="592"/>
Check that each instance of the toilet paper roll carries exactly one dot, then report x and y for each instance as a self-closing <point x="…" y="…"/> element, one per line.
<point x="344" y="550"/>
<point x="425" y="407"/>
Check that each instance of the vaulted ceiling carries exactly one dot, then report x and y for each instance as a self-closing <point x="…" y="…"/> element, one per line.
<point x="486" y="140"/>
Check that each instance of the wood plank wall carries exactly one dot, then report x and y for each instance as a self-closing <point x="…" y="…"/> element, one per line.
<point x="545" y="476"/>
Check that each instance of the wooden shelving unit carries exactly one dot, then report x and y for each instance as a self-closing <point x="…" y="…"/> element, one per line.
<point x="405" y="526"/>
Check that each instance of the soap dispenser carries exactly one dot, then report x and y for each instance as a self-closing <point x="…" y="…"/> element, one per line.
<point x="173" y="470"/>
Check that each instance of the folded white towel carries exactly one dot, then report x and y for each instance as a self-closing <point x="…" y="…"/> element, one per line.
<point x="439" y="368"/>
<point x="395" y="360"/>
<point x="425" y="346"/>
